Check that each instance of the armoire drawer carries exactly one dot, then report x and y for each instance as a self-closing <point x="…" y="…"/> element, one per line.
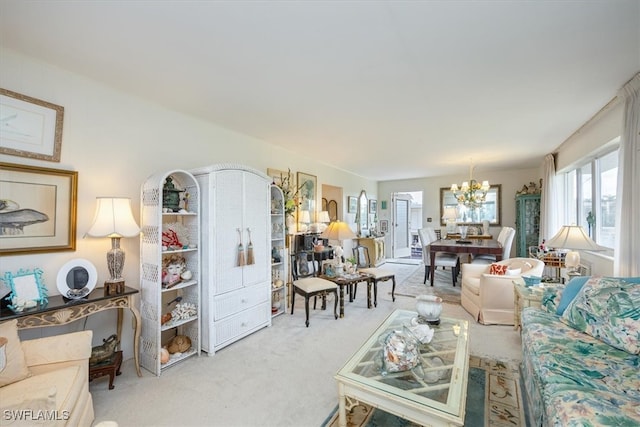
<point x="235" y="327"/>
<point x="236" y="301"/>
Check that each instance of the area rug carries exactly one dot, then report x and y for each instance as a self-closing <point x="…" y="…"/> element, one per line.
<point x="493" y="399"/>
<point x="412" y="286"/>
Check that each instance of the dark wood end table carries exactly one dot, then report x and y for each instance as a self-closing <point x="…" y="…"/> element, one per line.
<point x="110" y="367"/>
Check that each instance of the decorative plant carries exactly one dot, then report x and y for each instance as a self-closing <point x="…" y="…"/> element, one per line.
<point x="290" y="191"/>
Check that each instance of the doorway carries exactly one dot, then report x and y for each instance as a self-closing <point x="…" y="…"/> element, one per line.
<point x="407" y="220"/>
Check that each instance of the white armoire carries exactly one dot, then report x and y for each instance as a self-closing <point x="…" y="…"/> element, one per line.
<point x="236" y="253"/>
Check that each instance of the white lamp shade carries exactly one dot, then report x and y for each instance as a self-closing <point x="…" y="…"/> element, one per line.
<point x="339" y="231"/>
<point x="573" y="237"/>
<point x="114" y="218"/>
<point x="450" y="213"/>
<point x="323" y="216"/>
<point x="305" y="218"/>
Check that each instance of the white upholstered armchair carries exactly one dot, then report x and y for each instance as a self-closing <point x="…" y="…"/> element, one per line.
<point x="489" y="297"/>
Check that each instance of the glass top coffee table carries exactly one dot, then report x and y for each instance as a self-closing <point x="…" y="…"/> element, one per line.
<point x="432" y="394"/>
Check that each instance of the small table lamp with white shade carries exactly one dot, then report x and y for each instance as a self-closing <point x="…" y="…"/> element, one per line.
<point x="339" y="231"/>
<point x="114" y="219"/>
<point x="323" y="220"/>
<point x="573" y="237"/>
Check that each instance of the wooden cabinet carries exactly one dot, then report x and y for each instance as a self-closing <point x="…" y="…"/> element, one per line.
<point x="236" y="253"/>
<point x="376" y="249"/>
<point x="279" y="253"/>
<point x="527" y="223"/>
<point x="169" y="235"/>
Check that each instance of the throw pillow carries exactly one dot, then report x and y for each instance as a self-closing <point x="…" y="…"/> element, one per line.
<point x="498" y="269"/>
<point x="569" y="293"/>
<point x="513" y="271"/>
<point x="608" y="309"/>
<point x="14" y="367"/>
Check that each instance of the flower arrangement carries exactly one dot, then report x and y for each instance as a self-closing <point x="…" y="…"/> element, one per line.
<point x="290" y="192"/>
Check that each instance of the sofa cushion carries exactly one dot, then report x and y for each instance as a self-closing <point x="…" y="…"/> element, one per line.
<point x="29" y="407"/>
<point x="68" y="382"/>
<point x="13" y="366"/>
<point x="608" y="309"/>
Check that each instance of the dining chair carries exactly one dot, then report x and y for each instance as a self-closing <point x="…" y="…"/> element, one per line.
<point x="364" y="265"/>
<point x="505" y="238"/>
<point x="307" y="284"/>
<point x="443" y="259"/>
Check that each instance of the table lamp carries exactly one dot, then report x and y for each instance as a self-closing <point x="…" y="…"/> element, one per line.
<point x="575" y="238"/>
<point x="339" y="231"/>
<point x="114" y="219"/>
<point x="450" y="215"/>
<point x="304" y="220"/>
<point x="323" y="220"/>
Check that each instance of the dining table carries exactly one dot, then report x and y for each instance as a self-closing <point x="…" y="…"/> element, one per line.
<point x="471" y="246"/>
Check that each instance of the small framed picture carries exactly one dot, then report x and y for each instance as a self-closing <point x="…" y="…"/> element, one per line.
<point x="30" y="127"/>
<point x="384" y="226"/>
<point x="352" y="204"/>
<point x="373" y="206"/>
<point x="27" y="289"/>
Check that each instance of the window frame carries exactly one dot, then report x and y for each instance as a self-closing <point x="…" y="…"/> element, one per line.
<point x="572" y="187"/>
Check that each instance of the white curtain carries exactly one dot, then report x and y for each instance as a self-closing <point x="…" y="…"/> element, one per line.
<point x="627" y="259"/>
<point x="549" y="201"/>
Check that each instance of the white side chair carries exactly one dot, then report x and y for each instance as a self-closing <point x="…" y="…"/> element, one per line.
<point x="443" y="259"/>
<point x="506" y="239"/>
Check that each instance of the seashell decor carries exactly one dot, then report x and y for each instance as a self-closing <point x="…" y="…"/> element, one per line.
<point x="184" y="311"/>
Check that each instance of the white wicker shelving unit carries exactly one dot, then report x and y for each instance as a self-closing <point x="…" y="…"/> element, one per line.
<point x="156" y="300"/>
<point x="279" y="271"/>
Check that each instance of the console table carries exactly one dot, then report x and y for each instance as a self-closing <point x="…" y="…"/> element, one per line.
<point x="60" y="311"/>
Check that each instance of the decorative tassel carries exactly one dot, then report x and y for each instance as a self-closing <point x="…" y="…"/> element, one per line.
<point x="240" y="250"/>
<point x="250" y="258"/>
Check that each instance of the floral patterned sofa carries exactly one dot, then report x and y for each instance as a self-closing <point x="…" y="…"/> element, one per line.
<point x="581" y="362"/>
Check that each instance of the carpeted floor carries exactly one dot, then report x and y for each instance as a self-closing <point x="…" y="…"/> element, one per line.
<point x="442" y="286"/>
<point x="493" y="398"/>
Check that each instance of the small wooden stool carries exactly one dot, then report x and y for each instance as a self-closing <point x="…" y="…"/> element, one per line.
<point x="110" y="367"/>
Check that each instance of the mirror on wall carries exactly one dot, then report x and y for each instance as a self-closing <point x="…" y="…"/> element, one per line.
<point x="490" y="210"/>
<point x="362" y="217"/>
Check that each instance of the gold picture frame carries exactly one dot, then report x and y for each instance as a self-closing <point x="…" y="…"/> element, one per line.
<point x="37" y="210"/>
<point x="307" y="185"/>
<point x="31" y="127"/>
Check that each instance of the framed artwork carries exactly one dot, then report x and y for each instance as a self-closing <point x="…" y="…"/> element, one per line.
<point x="37" y="209"/>
<point x="307" y="185"/>
<point x="373" y="206"/>
<point x="384" y="226"/>
<point x="352" y="204"/>
<point x="30" y="127"/>
<point x="383" y="205"/>
<point x="27" y="289"/>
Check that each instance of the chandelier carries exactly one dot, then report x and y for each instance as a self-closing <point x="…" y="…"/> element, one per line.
<point x="472" y="193"/>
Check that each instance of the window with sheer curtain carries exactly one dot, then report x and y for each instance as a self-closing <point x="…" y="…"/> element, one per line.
<point x="590" y="191"/>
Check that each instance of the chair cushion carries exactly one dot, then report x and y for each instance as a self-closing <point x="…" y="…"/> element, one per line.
<point x="377" y="273"/>
<point x="14" y="366"/>
<point x="314" y="284"/>
<point x="472" y="284"/>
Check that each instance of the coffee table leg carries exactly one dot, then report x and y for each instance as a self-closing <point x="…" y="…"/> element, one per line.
<point x="342" y="407"/>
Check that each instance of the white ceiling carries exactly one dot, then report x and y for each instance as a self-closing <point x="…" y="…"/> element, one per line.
<point x="386" y="90"/>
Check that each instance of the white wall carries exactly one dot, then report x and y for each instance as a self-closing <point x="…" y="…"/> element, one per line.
<point x="115" y="141"/>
